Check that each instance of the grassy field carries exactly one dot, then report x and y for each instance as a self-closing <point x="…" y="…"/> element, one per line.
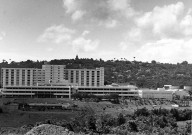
<point x="34" y="100"/>
<point x="20" y="118"/>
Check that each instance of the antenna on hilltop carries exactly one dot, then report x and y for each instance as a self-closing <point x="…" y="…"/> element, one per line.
<point x="134" y="58"/>
<point x="76" y="57"/>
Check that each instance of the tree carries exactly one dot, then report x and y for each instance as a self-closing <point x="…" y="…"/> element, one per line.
<point x="91" y="123"/>
<point x="184" y="63"/>
<point x="142" y="112"/>
<point x="1" y="110"/>
<point x="181" y="87"/>
<point x="153" y="62"/>
<point x="133" y="126"/>
<point x="120" y="119"/>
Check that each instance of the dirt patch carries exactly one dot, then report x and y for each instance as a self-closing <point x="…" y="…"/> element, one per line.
<point x="47" y="129"/>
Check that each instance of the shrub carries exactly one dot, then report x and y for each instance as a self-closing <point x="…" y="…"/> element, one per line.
<point x="143" y="112"/>
<point x="1" y="110"/>
<point x="120" y="119"/>
<point x="133" y="126"/>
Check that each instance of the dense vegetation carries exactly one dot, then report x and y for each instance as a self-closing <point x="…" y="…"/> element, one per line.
<point x="114" y="98"/>
<point x="1" y="110"/>
<point x="143" y="74"/>
<point x="141" y="122"/>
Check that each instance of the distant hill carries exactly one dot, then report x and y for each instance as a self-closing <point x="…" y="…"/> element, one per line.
<point x="143" y="74"/>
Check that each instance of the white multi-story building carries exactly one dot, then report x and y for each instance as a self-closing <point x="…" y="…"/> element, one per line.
<point x="52" y="81"/>
<point x="17" y="76"/>
<point x="52" y="74"/>
<point x="85" y="77"/>
<point x="55" y="81"/>
<point x="38" y="77"/>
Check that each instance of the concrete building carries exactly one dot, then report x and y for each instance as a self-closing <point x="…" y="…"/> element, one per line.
<point x="122" y="91"/>
<point x="52" y="81"/>
<point x="181" y="93"/>
<point x="55" y="81"/>
<point x="36" y="91"/>
<point x="167" y="92"/>
<point x="52" y="74"/>
<point x="188" y="88"/>
<point x="38" y="77"/>
<point x="55" y="91"/>
<point x="157" y="94"/>
<point x="17" y="76"/>
<point x="85" y="77"/>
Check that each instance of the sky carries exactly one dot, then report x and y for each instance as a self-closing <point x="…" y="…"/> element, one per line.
<point x="159" y="30"/>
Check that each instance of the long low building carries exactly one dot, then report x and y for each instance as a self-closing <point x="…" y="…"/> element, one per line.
<point x="36" y="91"/>
<point x="58" y="91"/>
<point x="67" y="91"/>
<point x="56" y="81"/>
<point x="157" y="94"/>
<point x="122" y="91"/>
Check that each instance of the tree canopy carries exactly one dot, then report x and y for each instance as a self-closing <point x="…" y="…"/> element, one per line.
<point x="143" y="74"/>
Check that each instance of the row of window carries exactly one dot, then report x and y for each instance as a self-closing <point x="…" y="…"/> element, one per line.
<point x="113" y="89"/>
<point x="113" y="93"/>
<point x="35" y="92"/>
<point x="37" y="88"/>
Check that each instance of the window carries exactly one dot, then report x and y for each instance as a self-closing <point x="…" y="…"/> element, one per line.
<point x="77" y="76"/>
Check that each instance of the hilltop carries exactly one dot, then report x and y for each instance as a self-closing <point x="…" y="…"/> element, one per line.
<point x="144" y="74"/>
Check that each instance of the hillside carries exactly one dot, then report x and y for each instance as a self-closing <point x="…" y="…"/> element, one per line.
<point x="143" y="74"/>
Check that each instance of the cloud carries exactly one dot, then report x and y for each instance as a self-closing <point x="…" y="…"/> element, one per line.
<point x="168" y="21"/>
<point x="163" y="34"/>
<point x="186" y="25"/>
<point x="85" y="32"/>
<point x="56" y="34"/>
<point x="111" y="23"/>
<point x="123" y="46"/>
<point x="166" y="50"/>
<point x="2" y="35"/>
<point x="59" y="34"/>
<point x="98" y="10"/>
<point x="70" y="5"/>
<point x="119" y="4"/>
<point x="77" y="15"/>
<point x="123" y="7"/>
<point x="1" y="38"/>
<point x="49" y="49"/>
<point x="92" y="8"/>
<point x="81" y="44"/>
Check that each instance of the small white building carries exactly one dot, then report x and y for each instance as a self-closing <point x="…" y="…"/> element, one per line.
<point x="180" y="92"/>
<point x="167" y="87"/>
<point x="167" y="92"/>
<point x="188" y="88"/>
<point x="157" y="94"/>
<point x="177" y="91"/>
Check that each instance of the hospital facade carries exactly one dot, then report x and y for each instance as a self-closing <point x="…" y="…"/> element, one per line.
<point x="56" y="81"/>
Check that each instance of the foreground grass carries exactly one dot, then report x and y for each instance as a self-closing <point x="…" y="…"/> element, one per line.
<point x="18" y="119"/>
